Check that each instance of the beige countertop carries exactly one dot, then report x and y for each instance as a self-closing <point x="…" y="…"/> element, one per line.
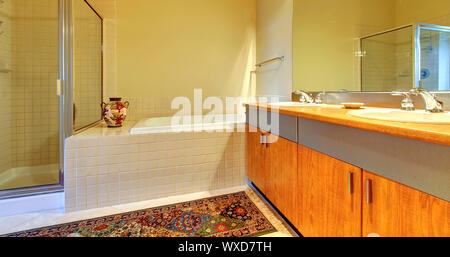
<point x="337" y="114"/>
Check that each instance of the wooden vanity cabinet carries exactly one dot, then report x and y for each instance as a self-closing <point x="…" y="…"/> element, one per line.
<point x="281" y="181"/>
<point x="272" y="167"/>
<point x="257" y="170"/>
<point x="391" y="209"/>
<point x="329" y="196"/>
<point x="325" y="197"/>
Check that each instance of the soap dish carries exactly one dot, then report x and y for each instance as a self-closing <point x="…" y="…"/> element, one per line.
<point x="353" y="105"/>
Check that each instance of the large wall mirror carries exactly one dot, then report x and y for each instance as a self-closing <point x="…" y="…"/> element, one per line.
<point x="371" y="46"/>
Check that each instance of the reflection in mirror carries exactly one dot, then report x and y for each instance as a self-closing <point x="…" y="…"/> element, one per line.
<point x="435" y="59"/>
<point x="87" y="70"/>
<point x="387" y="60"/>
<point x="327" y="44"/>
<point x="326" y="41"/>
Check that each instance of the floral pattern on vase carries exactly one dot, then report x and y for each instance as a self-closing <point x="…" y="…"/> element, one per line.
<point x="115" y="112"/>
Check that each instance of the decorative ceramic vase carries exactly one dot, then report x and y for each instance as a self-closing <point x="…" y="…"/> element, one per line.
<point x="115" y="112"/>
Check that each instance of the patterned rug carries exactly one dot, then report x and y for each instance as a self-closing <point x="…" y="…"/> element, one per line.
<point x="233" y="215"/>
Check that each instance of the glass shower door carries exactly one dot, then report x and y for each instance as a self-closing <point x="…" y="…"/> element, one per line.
<point x="29" y="68"/>
<point x="387" y="61"/>
<point x="434" y="57"/>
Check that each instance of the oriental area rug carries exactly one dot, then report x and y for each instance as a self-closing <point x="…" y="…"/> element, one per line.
<point x="232" y="215"/>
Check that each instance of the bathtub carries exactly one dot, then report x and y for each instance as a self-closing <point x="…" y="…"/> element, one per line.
<point x="210" y="123"/>
<point x="105" y="167"/>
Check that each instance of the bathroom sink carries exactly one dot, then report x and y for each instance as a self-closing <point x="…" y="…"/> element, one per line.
<point x="293" y="104"/>
<point x="422" y="117"/>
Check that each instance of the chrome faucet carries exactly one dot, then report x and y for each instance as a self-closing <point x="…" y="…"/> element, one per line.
<point x="304" y="96"/>
<point x="432" y="104"/>
<point x="407" y="102"/>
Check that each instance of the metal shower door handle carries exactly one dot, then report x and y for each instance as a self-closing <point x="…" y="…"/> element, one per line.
<point x="58" y="87"/>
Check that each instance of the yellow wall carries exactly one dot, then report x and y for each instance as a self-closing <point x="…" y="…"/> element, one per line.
<point x="105" y="8"/>
<point x="171" y="47"/>
<point x="429" y="11"/>
<point x="324" y="40"/>
<point x="274" y="38"/>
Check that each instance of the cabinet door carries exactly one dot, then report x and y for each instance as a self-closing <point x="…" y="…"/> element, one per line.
<point x="329" y="196"/>
<point x="256" y="168"/>
<point x="281" y="180"/>
<point x="391" y="209"/>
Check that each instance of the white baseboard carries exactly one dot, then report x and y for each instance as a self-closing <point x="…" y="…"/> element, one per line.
<point x="29" y="204"/>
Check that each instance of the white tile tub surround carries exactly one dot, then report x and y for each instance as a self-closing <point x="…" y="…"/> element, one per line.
<point x="106" y="167"/>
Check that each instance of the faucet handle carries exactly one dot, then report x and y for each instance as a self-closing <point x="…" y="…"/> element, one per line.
<point x="407" y="102"/>
<point x="302" y="96"/>
<point x="319" y="98"/>
<point x="437" y="100"/>
<point x="306" y="99"/>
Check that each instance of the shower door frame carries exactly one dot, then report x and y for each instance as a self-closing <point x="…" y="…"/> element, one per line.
<point x="63" y="88"/>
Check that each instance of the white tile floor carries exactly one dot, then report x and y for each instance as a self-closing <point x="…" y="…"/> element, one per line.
<point x="21" y="222"/>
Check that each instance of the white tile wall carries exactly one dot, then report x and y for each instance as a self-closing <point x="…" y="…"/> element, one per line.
<point x="379" y="64"/>
<point x="35" y="38"/>
<point x="403" y="64"/>
<point x="106" y="169"/>
<point x="388" y="61"/>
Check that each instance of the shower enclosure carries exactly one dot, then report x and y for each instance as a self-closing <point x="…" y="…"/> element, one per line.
<point x="50" y="51"/>
<point x="413" y="56"/>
